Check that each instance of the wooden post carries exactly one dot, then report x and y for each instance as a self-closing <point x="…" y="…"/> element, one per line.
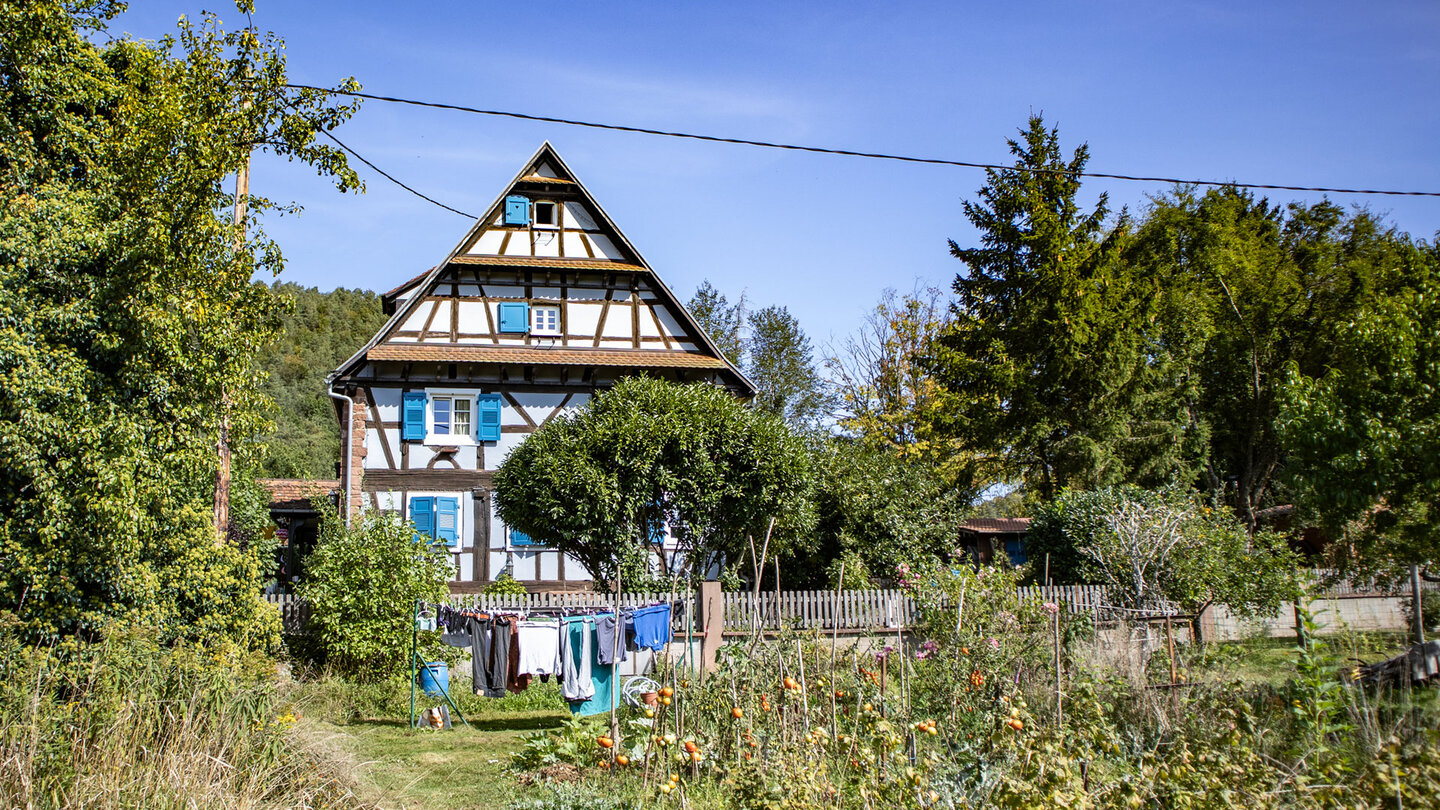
<point x="712" y="623"/>
<point x="1417" y="617"/>
<point x="222" y="471"/>
<point x="1059" y="704"/>
<point x="1170" y="642"/>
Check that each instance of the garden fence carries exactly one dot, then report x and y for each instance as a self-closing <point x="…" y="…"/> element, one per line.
<point x="845" y="611"/>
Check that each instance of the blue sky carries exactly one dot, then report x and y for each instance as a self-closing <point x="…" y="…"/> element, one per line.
<point x="1312" y="93"/>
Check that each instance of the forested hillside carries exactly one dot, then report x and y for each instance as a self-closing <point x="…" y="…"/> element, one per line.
<point x="320" y="330"/>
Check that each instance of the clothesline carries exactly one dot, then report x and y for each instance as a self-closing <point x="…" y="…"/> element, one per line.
<point x="580" y="646"/>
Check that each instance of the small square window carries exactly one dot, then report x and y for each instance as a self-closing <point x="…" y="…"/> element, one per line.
<point x="545" y="215"/>
<point x="546" y="320"/>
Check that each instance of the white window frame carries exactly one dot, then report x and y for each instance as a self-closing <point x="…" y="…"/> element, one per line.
<point x="434" y="438"/>
<point x="555" y="215"/>
<point x="535" y="328"/>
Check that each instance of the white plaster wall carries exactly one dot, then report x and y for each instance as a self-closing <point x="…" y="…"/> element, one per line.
<point x="472" y="317"/>
<point x="574" y="245"/>
<point x="488" y="244"/>
<point x="417" y="319"/>
<point x="582" y="319"/>
<point x="519" y="245"/>
<point x="547" y="243"/>
<point x="576" y="215"/>
<point x="604" y="248"/>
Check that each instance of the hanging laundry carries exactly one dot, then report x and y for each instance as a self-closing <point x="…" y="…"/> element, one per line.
<point x="601" y="679"/>
<point x="539" y="646"/>
<point x="577" y="656"/>
<point x="515" y="680"/>
<point x="652" y="627"/>
<point x="608" y="651"/>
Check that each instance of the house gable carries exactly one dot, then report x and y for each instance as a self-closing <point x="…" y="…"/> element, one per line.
<point x="545" y="248"/>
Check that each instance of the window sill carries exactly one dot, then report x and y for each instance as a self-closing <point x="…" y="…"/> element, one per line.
<point x="452" y="443"/>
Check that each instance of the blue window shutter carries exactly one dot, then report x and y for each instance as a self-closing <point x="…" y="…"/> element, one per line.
<point x="413" y="416"/>
<point x="657" y="534"/>
<point x="519" y="538"/>
<point x="517" y="210"/>
<point x="515" y="317"/>
<point x="422" y="514"/>
<point x="447" y="520"/>
<point x="489" y="423"/>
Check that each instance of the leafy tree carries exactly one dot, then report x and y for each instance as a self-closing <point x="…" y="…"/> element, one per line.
<point x="363" y="584"/>
<point x="780" y="361"/>
<point x="648" y="453"/>
<point x="129" y="323"/>
<point x="1046" y="383"/>
<point x="1364" y="434"/>
<point x="873" y="506"/>
<point x="1148" y="546"/>
<point x="1244" y="292"/>
<point x="319" y="330"/>
<point x="723" y="321"/>
<point x="887" y="394"/>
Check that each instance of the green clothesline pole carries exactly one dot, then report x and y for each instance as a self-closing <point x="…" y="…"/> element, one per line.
<point x="417" y="663"/>
<point x="414" y="657"/>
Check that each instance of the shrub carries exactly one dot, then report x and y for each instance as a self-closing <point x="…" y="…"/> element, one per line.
<point x="505" y="585"/>
<point x="363" y="583"/>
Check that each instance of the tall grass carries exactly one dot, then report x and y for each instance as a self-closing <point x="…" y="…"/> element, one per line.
<point x="125" y="723"/>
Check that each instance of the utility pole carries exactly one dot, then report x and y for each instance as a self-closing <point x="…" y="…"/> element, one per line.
<point x="222" y="470"/>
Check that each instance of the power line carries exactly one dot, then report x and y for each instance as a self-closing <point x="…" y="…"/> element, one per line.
<point x="390" y="177"/>
<point x="852" y="153"/>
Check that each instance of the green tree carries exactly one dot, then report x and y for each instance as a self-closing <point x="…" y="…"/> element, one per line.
<point x="1364" y="434"/>
<point x="723" y="321"/>
<point x="1150" y="546"/>
<point x="129" y="323"/>
<point x="781" y="363"/>
<point x="1048" y="387"/>
<point x="319" y="330"/>
<point x="646" y="454"/>
<point x="886" y="393"/>
<point x="362" y="588"/>
<point x="876" y="507"/>
<point x="1244" y="291"/>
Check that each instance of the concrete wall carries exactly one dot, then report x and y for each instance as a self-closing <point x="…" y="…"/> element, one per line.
<point x="1333" y="615"/>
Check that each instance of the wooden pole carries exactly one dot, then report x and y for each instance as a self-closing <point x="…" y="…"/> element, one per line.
<point x="221" y="509"/>
<point x="1417" y="618"/>
<point x="1059" y="703"/>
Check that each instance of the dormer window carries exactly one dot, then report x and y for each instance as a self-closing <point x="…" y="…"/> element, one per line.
<point x="546" y="215"/>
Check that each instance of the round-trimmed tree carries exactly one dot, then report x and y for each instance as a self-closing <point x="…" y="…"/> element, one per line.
<point x="601" y="483"/>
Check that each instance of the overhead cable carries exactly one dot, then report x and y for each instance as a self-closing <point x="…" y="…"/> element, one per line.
<point x="391" y="178"/>
<point x="852" y="153"/>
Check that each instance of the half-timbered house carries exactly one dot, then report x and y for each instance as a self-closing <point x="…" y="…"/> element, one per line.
<point x="543" y="303"/>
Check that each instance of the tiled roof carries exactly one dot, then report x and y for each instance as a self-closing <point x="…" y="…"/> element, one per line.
<point x="296" y="492"/>
<point x="405" y="284"/>
<point x="637" y="358"/>
<point x="537" y="178"/>
<point x="551" y="263"/>
<point x="996" y="525"/>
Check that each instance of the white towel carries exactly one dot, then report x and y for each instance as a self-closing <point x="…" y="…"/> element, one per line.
<point x="539" y="647"/>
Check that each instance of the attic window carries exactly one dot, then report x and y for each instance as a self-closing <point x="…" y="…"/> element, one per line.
<point x="545" y="215"/>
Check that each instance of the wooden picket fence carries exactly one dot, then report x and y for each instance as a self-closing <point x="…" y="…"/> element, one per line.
<point x="822" y="610"/>
<point x="852" y="611"/>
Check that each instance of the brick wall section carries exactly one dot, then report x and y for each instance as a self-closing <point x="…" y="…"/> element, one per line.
<point x="357" y="452"/>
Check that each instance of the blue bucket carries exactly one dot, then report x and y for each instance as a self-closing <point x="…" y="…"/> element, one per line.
<point x="434" y="679"/>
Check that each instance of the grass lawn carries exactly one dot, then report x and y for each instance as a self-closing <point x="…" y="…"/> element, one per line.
<point x="464" y="767"/>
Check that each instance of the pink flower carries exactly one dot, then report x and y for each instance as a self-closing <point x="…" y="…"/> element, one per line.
<point x="993" y="642"/>
<point x="1051" y="608"/>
